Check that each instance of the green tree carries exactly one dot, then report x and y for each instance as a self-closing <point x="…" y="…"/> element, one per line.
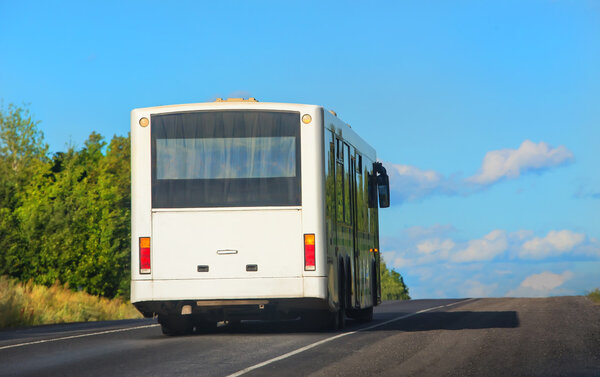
<point x="392" y="284"/>
<point x="22" y="154"/>
<point x="65" y="218"/>
<point x="21" y="142"/>
<point x="75" y="218"/>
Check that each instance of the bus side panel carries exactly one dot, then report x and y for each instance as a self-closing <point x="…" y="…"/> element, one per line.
<point x="352" y="227"/>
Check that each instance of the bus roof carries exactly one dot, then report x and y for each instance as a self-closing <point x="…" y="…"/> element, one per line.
<point x="229" y="104"/>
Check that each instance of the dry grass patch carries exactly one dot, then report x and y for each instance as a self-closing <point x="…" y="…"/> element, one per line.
<point x="27" y="304"/>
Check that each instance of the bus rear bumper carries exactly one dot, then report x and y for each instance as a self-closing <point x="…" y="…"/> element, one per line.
<point x="227" y="298"/>
<point x="229" y="289"/>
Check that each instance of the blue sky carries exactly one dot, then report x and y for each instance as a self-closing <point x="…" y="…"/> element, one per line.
<point x="485" y="113"/>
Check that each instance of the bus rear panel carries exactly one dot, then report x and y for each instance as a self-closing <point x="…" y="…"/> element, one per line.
<point x="229" y="214"/>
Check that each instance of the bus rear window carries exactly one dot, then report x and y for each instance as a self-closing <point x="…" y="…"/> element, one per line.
<point x="225" y="159"/>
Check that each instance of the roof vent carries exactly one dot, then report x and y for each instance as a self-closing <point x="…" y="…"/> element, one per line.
<point x="251" y="99"/>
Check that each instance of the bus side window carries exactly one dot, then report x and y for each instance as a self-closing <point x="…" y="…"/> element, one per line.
<point x="347" y="183"/>
<point x="330" y="174"/>
<point x="339" y="182"/>
<point x="361" y="195"/>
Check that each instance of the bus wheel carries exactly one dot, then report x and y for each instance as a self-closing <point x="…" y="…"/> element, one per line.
<point x="173" y="325"/>
<point x="374" y="283"/>
<point x="341" y="312"/>
<point x="334" y="321"/>
<point x="202" y="325"/>
<point x="347" y="285"/>
<point x="234" y="324"/>
<point x="362" y="315"/>
<point x="341" y="319"/>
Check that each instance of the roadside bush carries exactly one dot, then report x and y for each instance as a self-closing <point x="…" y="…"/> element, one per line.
<point x="392" y="284"/>
<point x="594" y="295"/>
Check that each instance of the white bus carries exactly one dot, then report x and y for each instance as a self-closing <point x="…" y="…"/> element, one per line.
<point x="249" y="210"/>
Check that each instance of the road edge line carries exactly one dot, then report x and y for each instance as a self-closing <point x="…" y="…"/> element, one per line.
<point x="76" y="336"/>
<point x="326" y="340"/>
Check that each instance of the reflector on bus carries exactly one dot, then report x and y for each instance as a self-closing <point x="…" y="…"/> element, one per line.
<point x="144" y="255"/>
<point x="309" y="252"/>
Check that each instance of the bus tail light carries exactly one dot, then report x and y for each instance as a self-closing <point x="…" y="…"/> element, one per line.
<point x="144" y="255"/>
<point x="309" y="252"/>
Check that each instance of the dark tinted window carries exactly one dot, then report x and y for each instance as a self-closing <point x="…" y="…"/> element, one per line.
<point x="225" y="159"/>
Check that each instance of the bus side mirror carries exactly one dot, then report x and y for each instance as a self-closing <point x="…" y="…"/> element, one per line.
<point x="383" y="188"/>
<point x="383" y="184"/>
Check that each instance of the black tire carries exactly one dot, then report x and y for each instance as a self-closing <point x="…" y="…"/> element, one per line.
<point x="310" y="321"/>
<point x="362" y="315"/>
<point x="331" y="320"/>
<point x="348" y="286"/>
<point x="166" y="330"/>
<point x="173" y="325"/>
<point x="234" y="323"/>
<point x="202" y="325"/>
<point x="374" y="284"/>
<point x="341" y="319"/>
<point x="341" y="313"/>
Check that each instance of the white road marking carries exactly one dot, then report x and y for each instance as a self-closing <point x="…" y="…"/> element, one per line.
<point x="313" y="345"/>
<point x="76" y="336"/>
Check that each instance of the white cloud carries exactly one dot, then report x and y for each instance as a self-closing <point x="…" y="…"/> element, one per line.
<point x="411" y="183"/>
<point x="590" y="248"/>
<point x="401" y="262"/>
<point x="540" y="285"/>
<point x="433" y="245"/>
<point x="437" y="247"/>
<point x="483" y="249"/>
<point x="555" y="243"/>
<point x="511" y="163"/>
<point x="521" y="235"/>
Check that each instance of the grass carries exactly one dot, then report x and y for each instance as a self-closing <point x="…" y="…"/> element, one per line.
<point x="28" y="304"/>
<point x="594" y="295"/>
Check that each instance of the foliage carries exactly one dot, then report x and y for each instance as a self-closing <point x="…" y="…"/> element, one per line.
<point x="21" y="143"/>
<point x="392" y="284"/>
<point x="28" y="304"/>
<point x="65" y="218"/>
<point x="594" y="295"/>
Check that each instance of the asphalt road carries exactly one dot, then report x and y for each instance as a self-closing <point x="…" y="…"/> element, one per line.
<point x="476" y="337"/>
